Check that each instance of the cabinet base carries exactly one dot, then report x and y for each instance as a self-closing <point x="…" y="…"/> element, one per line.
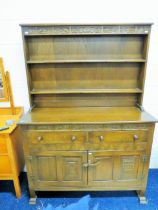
<point x="141" y="196"/>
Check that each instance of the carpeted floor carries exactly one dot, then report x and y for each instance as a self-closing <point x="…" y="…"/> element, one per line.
<point x="79" y="200"/>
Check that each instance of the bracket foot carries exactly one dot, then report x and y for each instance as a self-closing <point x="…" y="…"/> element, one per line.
<point x="32" y="201"/>
<point x="142" y="197"/>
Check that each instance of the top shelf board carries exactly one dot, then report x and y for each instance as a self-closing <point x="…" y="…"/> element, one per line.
<point x="27" y="34"/>
<point x="88" y="61"/>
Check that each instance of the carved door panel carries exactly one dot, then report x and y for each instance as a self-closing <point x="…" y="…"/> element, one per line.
<point x="115" y="169"/>
<point x="130" y="167"/>
<point x="59" y="169"/>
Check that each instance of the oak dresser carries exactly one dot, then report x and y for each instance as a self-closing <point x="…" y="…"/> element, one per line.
<point x="86" y="128"/>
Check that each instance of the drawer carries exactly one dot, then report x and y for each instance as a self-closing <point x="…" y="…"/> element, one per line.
<point x="57" y="137"/>
<point x="3" y="144"/>
<point x="122" y="136"/>
<point x="5" y="166"/>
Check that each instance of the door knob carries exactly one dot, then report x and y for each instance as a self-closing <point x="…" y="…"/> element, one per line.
<point x="135" y="137"/>
<point x="73" y="138"/>
<point x="101" y="138"/>
<point x="39" y="138"/>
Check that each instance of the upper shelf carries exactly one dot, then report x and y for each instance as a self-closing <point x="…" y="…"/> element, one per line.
<point x="86" y="91"/>
<point x="88" y="61"/>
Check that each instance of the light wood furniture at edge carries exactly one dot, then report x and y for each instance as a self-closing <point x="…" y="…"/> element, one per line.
<point x="11" y="152"/>
<point x="86" y="129"/>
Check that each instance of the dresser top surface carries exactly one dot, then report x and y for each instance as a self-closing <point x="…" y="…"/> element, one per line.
<point x="85" y="115"/>
<point x="6" y="114"/>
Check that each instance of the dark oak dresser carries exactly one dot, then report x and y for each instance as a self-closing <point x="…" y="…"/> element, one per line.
<point x="86" y="129"/>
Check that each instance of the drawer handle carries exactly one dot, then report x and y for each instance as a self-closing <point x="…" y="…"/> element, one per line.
<point x="89" y="164"/>
<point x="135" y="137"/>
<point x="94" y="164"/>
<point x="73" y="138"/>
<point x="85" y="165"/>
<point x="101" y="138"/>
<point x="39" y="138"/>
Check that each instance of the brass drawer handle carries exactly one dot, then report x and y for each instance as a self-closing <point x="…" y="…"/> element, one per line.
<point x="39" y="138"/>
<point x="73" y="138"/>
<point x="101" y="138"/>
<point x="135" y="137"/>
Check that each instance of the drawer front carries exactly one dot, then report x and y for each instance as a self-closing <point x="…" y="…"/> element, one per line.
<point x="121" y="136"/>
<point x="57" y="137"/>
<point x="3" y="144"/>
<point x="113" y="140"/>
<point x="5" y="166"/>
<point x="119" y="140"/>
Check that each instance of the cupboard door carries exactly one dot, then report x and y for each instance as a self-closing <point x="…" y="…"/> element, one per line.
<point x="100" y="169"/>
<point x="59" y="168"/>
<point x="115" y="169"/>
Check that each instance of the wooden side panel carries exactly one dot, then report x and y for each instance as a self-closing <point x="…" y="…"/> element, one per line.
<point x="5" y="165"/>
<point x="17" y="151"/>
<point x="3" y="144"/>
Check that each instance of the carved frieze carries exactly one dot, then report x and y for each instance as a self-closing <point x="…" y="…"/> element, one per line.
<point x="87" y="127"/>
<point x="86" y="29"/>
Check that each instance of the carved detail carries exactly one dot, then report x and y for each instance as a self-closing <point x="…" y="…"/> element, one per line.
<point x="94" y="127"/>
<point x="128" y="163"/>
<point x="87" y="29"/>
<point x="48" y="30"/>
<point x="111" y="29"/>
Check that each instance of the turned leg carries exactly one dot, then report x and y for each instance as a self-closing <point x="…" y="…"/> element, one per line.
<point x="17" y="187"/>
<point x="142" y="197"/>
<point x="33" y="197"/>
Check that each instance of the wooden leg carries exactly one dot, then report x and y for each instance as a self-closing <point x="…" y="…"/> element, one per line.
<point x="33" y="197"/>
<point x="17" y="187"/>
<point x="142" y="198"/>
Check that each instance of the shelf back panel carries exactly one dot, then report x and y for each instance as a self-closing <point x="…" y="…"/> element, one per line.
<point x="85" y="47"/>
<point x="85" y="76"/>
<point x="85" y="100"/>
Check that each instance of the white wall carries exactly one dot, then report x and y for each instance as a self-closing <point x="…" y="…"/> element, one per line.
<point x="14" y="12"/>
